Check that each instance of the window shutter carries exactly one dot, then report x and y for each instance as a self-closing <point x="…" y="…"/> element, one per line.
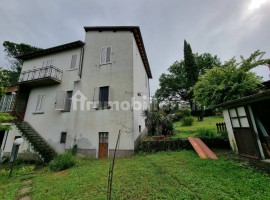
<point x="38" y="103"/>
<point x="39" y="106"/>
<point x="96" y="97"/>
<point x="41" y="102"/>
<point x="60" y="100"/>
<point x="108" y="54"/>
<point x="73" y="61"/>
<point x="103" y="55"/>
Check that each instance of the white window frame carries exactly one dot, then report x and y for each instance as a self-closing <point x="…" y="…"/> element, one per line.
<point x="104" y="59"/>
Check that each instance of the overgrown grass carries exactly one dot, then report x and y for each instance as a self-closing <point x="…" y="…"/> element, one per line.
<point x="186" y="131"/>
<point x="164" y="175"/>
<point x="9" y="187"/>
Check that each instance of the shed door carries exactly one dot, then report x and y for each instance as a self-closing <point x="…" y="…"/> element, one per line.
<point x="245" y="139"/>
<point x="103" y="145"/>
<point x="246" y="143"/>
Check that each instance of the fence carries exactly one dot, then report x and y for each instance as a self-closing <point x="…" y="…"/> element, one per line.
<point x="221" y="127"/>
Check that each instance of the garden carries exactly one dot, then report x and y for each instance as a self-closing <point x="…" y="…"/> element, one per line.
<point x="163" y="175"/>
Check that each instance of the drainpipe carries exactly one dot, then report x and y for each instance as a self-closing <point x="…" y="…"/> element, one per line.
<point x="81" y="62"/>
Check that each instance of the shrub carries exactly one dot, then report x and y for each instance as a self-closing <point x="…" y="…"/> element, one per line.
<point x="62" y="162"/>
<point x="158" y="123"/>
<point x="206" y="133"/>
<point x="187" y="121"/>
<point x="224" y="135"/>
<point x="180" y="114"/>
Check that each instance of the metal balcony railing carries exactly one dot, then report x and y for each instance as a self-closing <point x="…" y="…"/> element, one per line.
<point x="42" y="75"/>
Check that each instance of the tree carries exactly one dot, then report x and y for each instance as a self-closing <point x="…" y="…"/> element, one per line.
<point x="13" y="50"/>
<point x="206" y="61"/>
<point x="229" y="82"/>
<point x="190" y="66"/>
<point x="173" y="85"/>
<point x="4" y="81"/>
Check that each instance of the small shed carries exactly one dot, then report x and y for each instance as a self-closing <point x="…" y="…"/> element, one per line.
<point x="248" y="125"/>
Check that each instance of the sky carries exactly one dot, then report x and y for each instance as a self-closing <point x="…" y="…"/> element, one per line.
<point x="225" y="28"/>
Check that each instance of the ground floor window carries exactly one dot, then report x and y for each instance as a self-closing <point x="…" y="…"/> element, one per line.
<point x="63" y="138"/>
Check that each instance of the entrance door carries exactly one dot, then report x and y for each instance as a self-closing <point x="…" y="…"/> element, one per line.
<point x="245" y="140"/>
<point x="103" y="145"/>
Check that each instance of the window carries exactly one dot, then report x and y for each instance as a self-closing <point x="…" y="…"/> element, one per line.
<point x="238" y="117"/>
<point x="140" y="128"/>
<point x="73" y="61"/>
<point x="63" y="100"/>
<point x="63" y="138"/>
<point x="103" y="137"/>
<point x="101" y="97"/>
<point x="105" y="55"/>
<point x="7" y="102"/>
<point x="40" y="100"/>
<point x="68" y="100"/>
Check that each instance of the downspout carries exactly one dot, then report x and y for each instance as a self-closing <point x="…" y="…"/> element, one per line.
<point x="81" y="63"/>
<point x="77" y="85"/>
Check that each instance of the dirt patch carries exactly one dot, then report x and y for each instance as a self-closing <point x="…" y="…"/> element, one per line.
<point x="60" y="174"/>
<point x="25" y="198"/>
<point x="248" y="162"/>
<point x="25" y="189"/>
<point x="27" y="181"/>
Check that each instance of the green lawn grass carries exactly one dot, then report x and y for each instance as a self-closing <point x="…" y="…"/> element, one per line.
<point x="163" y="175"/>
<point x="186" y="131"/>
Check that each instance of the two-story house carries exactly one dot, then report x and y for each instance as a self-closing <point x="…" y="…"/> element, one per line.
<point x="83" y="93"/>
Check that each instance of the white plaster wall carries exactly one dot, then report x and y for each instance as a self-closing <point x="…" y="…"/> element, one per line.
<point x="118" y="75"/>
<point x="230" y="130"/>
<point x="140" y="86"/>
<point x="10" y="139"/>
<point x="125" y="76"/>
<point x="52" y="122"/>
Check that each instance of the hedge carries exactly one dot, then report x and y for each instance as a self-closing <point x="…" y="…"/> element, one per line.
<point x="180" y="144"/>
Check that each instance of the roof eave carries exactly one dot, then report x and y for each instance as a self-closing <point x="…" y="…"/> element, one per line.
<point x="60" y="48"/>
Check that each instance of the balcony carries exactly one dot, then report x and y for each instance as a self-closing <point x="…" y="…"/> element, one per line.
<point x="42" y="76"/>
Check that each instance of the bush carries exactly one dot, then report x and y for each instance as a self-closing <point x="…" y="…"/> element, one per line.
<point x="158" y="123"/>
<point x="224" y="134"/>
<point x="206" y="133"/>
<point x="187" y="121"/>
<point x="62" y="162"/>
<point x="180" y="114"/>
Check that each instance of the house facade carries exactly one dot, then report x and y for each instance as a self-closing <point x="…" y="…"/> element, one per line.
<point x="84" y="94"/>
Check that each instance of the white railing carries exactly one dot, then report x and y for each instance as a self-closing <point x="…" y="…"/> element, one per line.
<point x="41" y="73"/>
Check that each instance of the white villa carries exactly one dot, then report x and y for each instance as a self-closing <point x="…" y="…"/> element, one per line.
<point x="81" y="93"/>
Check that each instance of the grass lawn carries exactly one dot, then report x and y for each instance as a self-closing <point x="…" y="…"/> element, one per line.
<point x="164" y="175"/>
<point x="186" y="131"/>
